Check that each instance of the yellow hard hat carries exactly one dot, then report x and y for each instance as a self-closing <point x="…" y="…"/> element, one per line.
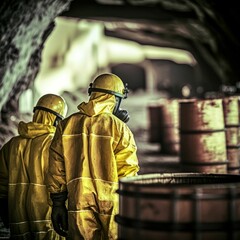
<point x="52" y="103"/>
<point x="109" y="83"/>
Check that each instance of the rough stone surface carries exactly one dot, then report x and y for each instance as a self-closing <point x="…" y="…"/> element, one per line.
<point x="25" y="25"/>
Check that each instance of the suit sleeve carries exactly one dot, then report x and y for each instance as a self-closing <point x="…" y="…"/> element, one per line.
<point x="56" y="177"/>
<point x="126" y="154"/>
<point x="4" y="173"/>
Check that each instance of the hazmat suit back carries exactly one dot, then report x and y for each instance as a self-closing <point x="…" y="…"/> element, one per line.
<point x="23" y="166"/>
<point x="90" y="151"/>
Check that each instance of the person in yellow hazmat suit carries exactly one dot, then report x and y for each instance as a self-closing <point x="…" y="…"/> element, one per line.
<point x="23" y="165"/>
<point x="91" y="150"/>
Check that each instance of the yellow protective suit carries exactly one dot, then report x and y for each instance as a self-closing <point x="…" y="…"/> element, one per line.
<point x="90" y="151"/>
<point x="23" y="165"/>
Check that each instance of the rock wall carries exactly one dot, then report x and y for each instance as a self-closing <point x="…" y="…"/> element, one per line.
<point x="25" y="25"/>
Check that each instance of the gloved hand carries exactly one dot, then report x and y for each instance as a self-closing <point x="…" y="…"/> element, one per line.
<point x="4" y="211"/>
<point x="59" y="213"/>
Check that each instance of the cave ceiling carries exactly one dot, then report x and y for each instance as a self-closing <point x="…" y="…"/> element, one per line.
<point x="206" y="28"/>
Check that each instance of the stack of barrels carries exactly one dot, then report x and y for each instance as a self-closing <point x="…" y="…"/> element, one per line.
<point x="205" y="133"/>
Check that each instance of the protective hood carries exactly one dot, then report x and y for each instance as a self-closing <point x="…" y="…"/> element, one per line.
<point x="41" y="116"/>
<point x="42" y="124"/>
<point x="98" y="103"/>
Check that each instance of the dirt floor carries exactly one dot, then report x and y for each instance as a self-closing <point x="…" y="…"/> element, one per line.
<point x="150" y="158"/>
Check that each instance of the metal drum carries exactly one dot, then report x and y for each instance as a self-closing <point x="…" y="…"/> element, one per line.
<point x="169" y="126"/>
<point x="202" y="136"/>
<point x="179" y="206"/>
<point x="154" y="119"/>
<point x="231" y="118"/>
<point x="163" y="117"/>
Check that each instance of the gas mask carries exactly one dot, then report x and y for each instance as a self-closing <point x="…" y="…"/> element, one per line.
<point x="122" y="114"/>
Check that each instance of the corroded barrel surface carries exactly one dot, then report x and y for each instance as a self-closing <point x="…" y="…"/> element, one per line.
<point x="231" y="119"/>
<point x="201" y="115"/>
<point x="169" y="126"/>
<point x="202" y="136"/>
<point x="163" y="117"/>
<point x="231" y="113"/>
<point x="179" y="206"/>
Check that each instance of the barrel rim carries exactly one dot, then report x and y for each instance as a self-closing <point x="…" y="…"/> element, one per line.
<point x="137" y="181"/>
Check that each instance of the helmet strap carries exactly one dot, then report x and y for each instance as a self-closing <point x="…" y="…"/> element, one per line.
<point x="48" y="110"/>
<point x="124" y="95"/>
<point x="90" y="90"/>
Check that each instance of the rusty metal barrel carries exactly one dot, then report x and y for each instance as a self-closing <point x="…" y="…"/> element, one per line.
<point x="179" y="206"/>
<point x="164" y="125"/>
<point x="169" y="126"/>
<point x="154" y="119"/>
<point x="231" y="119"/>
<point x="202" y="136"/>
